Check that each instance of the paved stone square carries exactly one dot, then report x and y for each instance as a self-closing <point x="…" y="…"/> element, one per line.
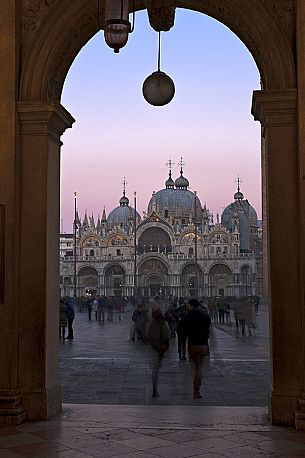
<point x="100" y="366"/>
<point x="87" y="431"/>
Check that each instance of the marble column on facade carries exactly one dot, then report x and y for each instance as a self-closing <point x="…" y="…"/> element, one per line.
<point x="41" y="125"/>
<point x="277" y="112"/>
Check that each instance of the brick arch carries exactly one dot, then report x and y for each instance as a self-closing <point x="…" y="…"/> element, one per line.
<point x="70" y="25"/>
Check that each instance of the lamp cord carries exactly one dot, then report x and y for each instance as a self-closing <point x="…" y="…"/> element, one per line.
<point x="159" y="51"/>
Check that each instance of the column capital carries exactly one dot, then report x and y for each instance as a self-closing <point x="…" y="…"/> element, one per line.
<point x="43" y="118"/>
<point x="273" y="108"/>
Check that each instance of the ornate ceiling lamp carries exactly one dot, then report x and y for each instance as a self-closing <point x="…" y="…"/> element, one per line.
<point x="116" y="23"/>
<point x="158" y="88"/>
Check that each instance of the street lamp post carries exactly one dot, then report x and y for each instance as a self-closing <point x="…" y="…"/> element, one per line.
<point x="135" y="248"/>
<point x="74" y="251"/>
<point x="196" y="253"/>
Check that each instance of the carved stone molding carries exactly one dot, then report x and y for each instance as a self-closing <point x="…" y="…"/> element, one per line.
<point x="285" y="11"/>
<point x="33" y="13"/>
<point x="61" y="64"/>
<point x="161" y="15"/>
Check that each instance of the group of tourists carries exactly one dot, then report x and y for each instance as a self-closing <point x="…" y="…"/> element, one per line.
<point x="155" y="322"/>
<point x="189" y="321"/>
<point x="103" y="307"/>
<point x="241" y="310"/>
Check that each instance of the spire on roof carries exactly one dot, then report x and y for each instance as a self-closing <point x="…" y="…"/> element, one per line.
<point x="92" y="223"/>
<point x="104" y="218"/>
<point x="238" y="195"/>
<point x="85" y="221"/>
<point x="170" y="184"/>
<point x="98" y="224"/>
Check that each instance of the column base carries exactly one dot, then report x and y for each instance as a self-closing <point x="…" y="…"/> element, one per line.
<point x="42" y="404"/>
<point x="12" y="411"/>
<point x="282" y="407"/>
<point x="299" y="418"/>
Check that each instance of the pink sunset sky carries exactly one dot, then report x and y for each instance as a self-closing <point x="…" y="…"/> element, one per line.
<point x="117" y="134"/>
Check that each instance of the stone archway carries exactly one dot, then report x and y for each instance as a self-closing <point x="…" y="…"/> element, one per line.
<point x="53" y="32"/>
<point x="114" y="280"/>
<point x="220" y="280"/>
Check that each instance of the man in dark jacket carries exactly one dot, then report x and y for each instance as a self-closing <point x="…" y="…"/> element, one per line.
<point x="70" y="317"/>
<point x="197" y="330"/>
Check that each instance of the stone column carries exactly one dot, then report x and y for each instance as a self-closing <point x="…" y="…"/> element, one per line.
<point x="41" y="125"/>
<point x="300" y="48"/>
<point x="11" y="407"/>
<point x="277" y="113"/>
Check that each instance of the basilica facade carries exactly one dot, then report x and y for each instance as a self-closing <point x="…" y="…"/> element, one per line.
<point x="175" y="249"/>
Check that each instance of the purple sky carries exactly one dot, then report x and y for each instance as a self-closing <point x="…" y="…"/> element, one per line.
<point x="118" y="134"/>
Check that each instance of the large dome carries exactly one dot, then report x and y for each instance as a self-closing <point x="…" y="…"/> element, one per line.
<point x="122" y="215"/>
<point x="247" y="218"/>
<point x="175" y="203"/>
<point x="239" y="206"/>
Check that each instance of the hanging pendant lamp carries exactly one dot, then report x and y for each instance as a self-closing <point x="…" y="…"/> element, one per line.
<point x="158" y="88"/>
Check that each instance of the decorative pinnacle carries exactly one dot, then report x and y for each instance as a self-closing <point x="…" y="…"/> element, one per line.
<point x="182" y="164"/>
<point x="170" y="164"/>
<point x="238" y="181"/>
<point x="124" y="183"/>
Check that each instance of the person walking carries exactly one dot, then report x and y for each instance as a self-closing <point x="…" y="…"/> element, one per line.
<point x="140" y="318"/>
<point x="94" y="307"/>
<point x="70" y="318"/>
<point x="89" y="307"/>
<point x="181" y="311"/>
<point x="171" y="317"/>
<point x="103" y="306"/>
<point x="157" y="334"/>
<point x="62" y="318"/>
<point x="197" y="330"/>
<point x="240" y="314"/>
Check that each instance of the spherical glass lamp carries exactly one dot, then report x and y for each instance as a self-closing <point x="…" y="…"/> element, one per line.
<point x="158" y="89"/>
<point x="117" y="25"/>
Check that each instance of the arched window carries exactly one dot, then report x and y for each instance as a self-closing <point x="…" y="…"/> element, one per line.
<point x="118" y="252"/>
<point x="155" y="239"/>
<point x="91" y="252"/>
<point x="191" y="251"/>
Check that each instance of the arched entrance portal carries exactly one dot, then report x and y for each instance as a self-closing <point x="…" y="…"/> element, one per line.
<point x="87" y="282"/>
<point x="155" y="285"/>
<point x="51" y="37"/>
<point x="220" y="281"/>
<point x="115" y="281"/>
<point x="191" y="282"/>
<point x="153" y="278"/>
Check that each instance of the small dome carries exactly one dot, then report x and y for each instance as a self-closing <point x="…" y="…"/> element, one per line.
<point x="170" y="184"/>
<point x="182" y="182"/>
<point x="238" y="195"/>
<point x="124" y="201"/>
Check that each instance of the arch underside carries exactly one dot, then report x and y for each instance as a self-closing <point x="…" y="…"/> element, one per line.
<point x="68" y="26"/>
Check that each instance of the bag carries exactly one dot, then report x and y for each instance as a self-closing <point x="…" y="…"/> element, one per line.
<point x="166" y="344"/>
<point x="206" y="350"/>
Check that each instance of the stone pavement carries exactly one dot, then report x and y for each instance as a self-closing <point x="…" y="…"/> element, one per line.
<point x="100" y="366"/>
<point x="86" y="431"/>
